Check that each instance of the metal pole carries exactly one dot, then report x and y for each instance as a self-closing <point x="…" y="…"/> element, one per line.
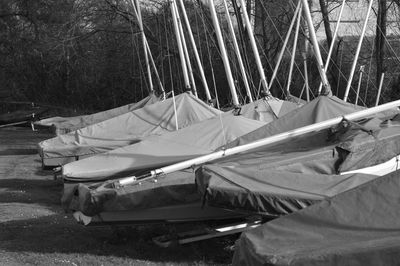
<point x="237" y="51"/>
<point x="140" y="22"/>
<point x="306" y="72"/>
<point x="359" y="83"/>
<point x="292" y="59"/>
<point x="353" y="67"/>
<point x="311" y="30"/>
<point x="180" y="48"/>
<point x="223" y="53"/>
<point x="185" y="50"/>
<point x="380" y="89"/>
<point x="196" y="54"/>
<point x="257" y="144"/>
<point x="254" y="47"/>
<point x="283" y="49"/>
<point x="328" y="59"/>
<point x="151" y="56"/>
<point x="176" y="114"/>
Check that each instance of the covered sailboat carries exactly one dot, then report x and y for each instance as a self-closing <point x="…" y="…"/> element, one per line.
<point x="125" y="129"/>
<point x="63" y="125"/>
<point x="171" y="147"/>
<point x="288" y="176"/>
<point x="356" y="227"/>
<point x="101" y="201"/>
<point x="160" y="150"/>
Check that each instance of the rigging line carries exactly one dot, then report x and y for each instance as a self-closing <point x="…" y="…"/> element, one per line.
<point x="280" y="36"/>
<point x="218" y="51"/>
<point x="199" y="41"/>
<point x="135" y="49"/>
<point x="338" y="68"/>
<point x="215" y="45"/>
<point x="168" y="50"/>
<point x="232" y="61"/>
<point x="369" y="81"/>
<point x="209" y="57"/>
<point x="245" y="52"/>
<point x="340" y="71"/>
<point x="369" y="71"/>
<point x="141" y="74"/>
<point x="388" y="43"/>
<point x="161" y="50"/>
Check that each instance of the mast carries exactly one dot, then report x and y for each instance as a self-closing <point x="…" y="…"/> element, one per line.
<point x="380" y="89"/>
<point x="223" y="53"/>
<point x="150" y="56"/>
<point x="296" y="37"/>
<point x="332" y="44"/>
<point x="353" y="67"/>
<point x="237" y="51"/>
<point x="146" y="57"/>
<point x="359" y="83"/>
<point x="185" y="50"/>
<point x="311" y="30"/>
<point x="281" y="53"/>
<point x="180" y="48"/>
<point x="196" y="54"/>
<point x="254" y="47"/>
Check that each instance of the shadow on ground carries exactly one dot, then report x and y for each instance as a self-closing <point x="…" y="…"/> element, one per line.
<point x="59" y="234"/>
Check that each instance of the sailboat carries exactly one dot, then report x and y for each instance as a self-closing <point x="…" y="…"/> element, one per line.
<point x="358" y="226"/>
<point x="125" y="129"/>
<point x="235" y="183"/>
<point x="63" y="125"/>
<point x="117" y="200"/>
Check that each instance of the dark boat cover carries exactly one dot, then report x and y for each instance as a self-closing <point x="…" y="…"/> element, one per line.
<point x="357" y="227"/>
<point x="286" y="177"/>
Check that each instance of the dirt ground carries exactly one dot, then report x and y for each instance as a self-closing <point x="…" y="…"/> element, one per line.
<point x="35" y="230"/>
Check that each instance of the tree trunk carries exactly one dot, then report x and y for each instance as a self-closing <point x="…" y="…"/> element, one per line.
<point x="327" y="25"/>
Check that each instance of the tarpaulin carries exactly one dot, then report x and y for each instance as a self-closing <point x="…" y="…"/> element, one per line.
<point x="125" y="129"/>
<point x="358" y="227"/>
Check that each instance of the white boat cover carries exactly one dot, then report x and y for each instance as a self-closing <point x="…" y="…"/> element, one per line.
<point x="318" y="110"/>
<point x="195" y="140"/>
<point x="160" y="150"/>
<point x="357" y="227"/>
<point x="125" y="129"/>
<point x="64" y="125"/>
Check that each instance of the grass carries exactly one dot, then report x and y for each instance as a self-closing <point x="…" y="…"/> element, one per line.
<point x="35" y="230"/>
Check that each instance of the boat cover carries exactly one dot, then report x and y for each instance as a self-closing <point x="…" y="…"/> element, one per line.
<point x="358" y="227"/>
<point x="267" y="109"/>
<point x="64" y="125"/>
<point x="94" y="198"/>
<point x="195" y="140"/>
<point x="159" y="150"/>
<point x="288" y="176"/>
<point x="318" y="110"/>
<point x="125" y="129"/>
